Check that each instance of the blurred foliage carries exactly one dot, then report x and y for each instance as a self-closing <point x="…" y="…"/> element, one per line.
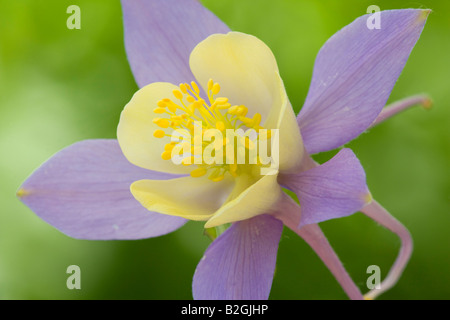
<point x="59" y="86"/>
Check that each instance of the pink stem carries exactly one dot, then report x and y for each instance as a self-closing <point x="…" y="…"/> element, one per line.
<point x="401" y="105"/>
<point x="376" y="212"/>
<point x="289" y="214"/>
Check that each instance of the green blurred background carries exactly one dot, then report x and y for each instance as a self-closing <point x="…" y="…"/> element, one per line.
<point x="59" y="86"/>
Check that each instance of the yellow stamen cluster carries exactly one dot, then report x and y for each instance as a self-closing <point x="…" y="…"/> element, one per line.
<point x="216" y="113"/>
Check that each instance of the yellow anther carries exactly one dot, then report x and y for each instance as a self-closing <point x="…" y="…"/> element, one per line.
<point x="221" y="103"/>
<point x="199" y="172"/>
<point x="221" y="100"/>
<point x="242" y="111"/>
<point x="161" y="122"/>
<point x="177" y="120"/>
<point x="195" y="87"/>
<point x="215" y="88"/>
<point x="159" y="133"/>
<point x="183" y="88"/>
<point x="232" y="110"/>
<point x="247" y="121"/>
<point x="177" y="94"/>
<point x="218" y="178"/>
<point x="187" y="161"/>
<point x="166" y="155"/>
<point x="220" y="125"/>
<point x="210" y="84"/>
<point x="256" y="119"/>
<point x="159" y="110"/>
<point x="190" y="99"/>
<point x="224" y="106"/>
<point x="215" y="174"/>
<point x="161" y="104"/>
<point x="169" y="147"/>
<point x="172" y="106"/>
<point x="196" y="104"/>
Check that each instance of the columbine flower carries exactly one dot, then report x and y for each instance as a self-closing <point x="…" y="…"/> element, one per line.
<point x="84" y="190"/>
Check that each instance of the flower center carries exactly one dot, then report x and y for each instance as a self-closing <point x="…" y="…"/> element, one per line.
<point x="210" y="134"/>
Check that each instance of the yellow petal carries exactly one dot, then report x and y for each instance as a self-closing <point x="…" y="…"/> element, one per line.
<point x="248" y="75"/>
<point x="187" y="197"/>
<point x="244" y="67"/>
<point x="136" y="128"/>
<point x="254" y="200"/>
<point x="282" y="117"/>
